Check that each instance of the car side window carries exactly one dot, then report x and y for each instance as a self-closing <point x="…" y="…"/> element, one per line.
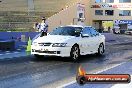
<point x="86" y="30"/>
<point x="77" y="31"/>
<point x="94" y="32"/>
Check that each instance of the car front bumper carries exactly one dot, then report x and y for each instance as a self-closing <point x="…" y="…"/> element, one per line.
<point x="51" y="51"/>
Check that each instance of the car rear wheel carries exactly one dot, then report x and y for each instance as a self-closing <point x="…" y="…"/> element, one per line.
<point x="75" y="53"/>
<point x="101" y="49"/>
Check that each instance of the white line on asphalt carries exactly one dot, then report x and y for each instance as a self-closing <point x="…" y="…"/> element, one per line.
<point x="18" y="49"/>
<point x="16" y="52"/>
<point x="72" y="82"/>
<point x="109" y="68"/>
<point x="1" y="54"/>
<point x="7" y="53"/>
<point x="119" y="46"/>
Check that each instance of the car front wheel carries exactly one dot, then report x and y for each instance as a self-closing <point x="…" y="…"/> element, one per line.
<point x="101" y="49"/>
<point x="75" y="53"/>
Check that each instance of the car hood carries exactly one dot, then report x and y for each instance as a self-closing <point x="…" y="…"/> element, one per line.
<point x="53" y="39"/>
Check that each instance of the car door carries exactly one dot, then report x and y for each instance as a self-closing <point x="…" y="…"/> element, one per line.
<point x="95" y="40"/>
<point x="86" y="41"/>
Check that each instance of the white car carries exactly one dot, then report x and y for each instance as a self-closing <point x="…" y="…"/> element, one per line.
<point x="117" y="31"/>
<point x="128" y="32"/>
<point x="69" y="41"/>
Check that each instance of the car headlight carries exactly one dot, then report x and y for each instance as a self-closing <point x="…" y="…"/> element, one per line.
<point x="59" y="45"/>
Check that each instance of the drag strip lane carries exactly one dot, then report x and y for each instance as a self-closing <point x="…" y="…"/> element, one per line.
<point x="25" y="71"/>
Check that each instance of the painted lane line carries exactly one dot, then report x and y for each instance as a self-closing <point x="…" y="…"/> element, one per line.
<point x="16" y="52"/>
<point x="18" y="49"/>
<point x="72" y="82"/>
<point x="7" y="53"/>
<point x="1" y="54"/>
<point x="109" y="68"/>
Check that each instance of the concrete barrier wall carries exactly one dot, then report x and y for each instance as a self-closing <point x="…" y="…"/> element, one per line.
<point x="16" y="36"/>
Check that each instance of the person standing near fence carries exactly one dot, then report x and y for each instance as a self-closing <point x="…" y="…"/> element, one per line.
<point x="42" y="27"/>
<point x="109" y="29"/>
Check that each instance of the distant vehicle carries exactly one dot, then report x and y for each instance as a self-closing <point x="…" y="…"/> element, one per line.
<point x="117" y="30"/>
<point x="128" y="32"/>
<point x="69" y="41"/>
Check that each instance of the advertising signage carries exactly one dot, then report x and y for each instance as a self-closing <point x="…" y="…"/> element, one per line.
<point x="123" y="22"/>
<point x="112" y="6"/>
<point x="80" y="10"/>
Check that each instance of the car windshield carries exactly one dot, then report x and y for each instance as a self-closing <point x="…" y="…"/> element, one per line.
<point x="129" y="29"/>
<point x="70" y="31"/>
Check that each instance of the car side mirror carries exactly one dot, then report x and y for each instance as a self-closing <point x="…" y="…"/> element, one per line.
<point x="85" y="35"/>
<point x="77" y="33"/>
